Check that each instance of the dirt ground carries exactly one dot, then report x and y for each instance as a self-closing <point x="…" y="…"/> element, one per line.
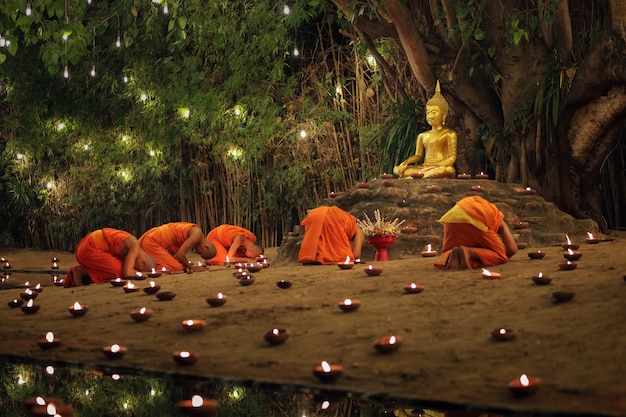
<point x="447" y="355"/>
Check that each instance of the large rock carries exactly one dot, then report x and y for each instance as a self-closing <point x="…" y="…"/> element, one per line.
<point x="410" y="200"/>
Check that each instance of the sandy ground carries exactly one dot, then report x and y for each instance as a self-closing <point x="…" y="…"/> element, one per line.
<point x="447" y="355"/>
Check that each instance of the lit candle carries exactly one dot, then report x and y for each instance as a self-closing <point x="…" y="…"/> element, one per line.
<point x="348" y="305"/>
<point x="347" y="264"/>
<point x="38" y="288"/>
<point x="541" y="279"/>
<point x="327" y="372"/>
<point x="28" y="294"/>
<point x="118" y="282"/>
<point x="387" y="344"/>
<point x="567" y="265"/>
<point x="503" y="334"/>
<point x="49" y="341"/>
<point x="428" y="251"/>
<point x="283" y="284"/>
<point x="15" y="302"/>
<point x="373" y="271"/>
<point x="152" y="288"/>
<point x="198" y="407"/>
<point x="276" y="336"/>
<point x="413" y="288"/>
<point x="194" y="325"/>
<point x="139" y="276"/>
<point x="537" y="254"/>
<point x="417" y="175"/>
<point x="114" y="351"/>
<point x="130" y="287"/>
<point x="433" y="188"/>
<point x="572" y="255"/>
<point x="568" y="244"/>
<point x="482" y="176"/>
<point x="524" y="386"/>
<point x="30" y="307"/>
<point x="141" y="314"/>
<point x="255" y="267"/>
<point x="246" y="279"/>
<point x="491" y="275"/>
<point x="464" y="176"/>
<point x="77" y="309"/>
<point x="154" y="273"/>
<point x="478" y="188"/>
<point x="218" y="300"/>
<point x="184" y="357"/>
<point x="590" y="239"/>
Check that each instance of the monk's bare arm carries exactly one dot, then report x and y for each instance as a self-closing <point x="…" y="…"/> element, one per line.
<point x="357" y="242"/>
<point x="194" y="237"/>
<point x="234" y="247"/>
<point x="132" y="249"/>
<point x="508" y="240"/>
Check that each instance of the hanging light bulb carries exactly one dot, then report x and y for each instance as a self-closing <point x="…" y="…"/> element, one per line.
<point x="166" y="9"/>
<point x="118" y="42"/>
<point x="3" y="42"/>
<point x="29" y="10"/>
<point x="296" y="52"/>
<point x="66" y="72"/>
<point x="286" y="9"/>
<point x="88" y="1"/>
<point x="93" y="71"/>
<point x="125" y="78"/>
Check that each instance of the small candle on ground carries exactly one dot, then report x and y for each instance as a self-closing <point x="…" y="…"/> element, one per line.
<point x="572" y="255"/>
<point x="387" y="344"/>
<point x="141" y="314"/>
<point x="536" y="254"/>
<point x="198" y="407"/>
<point x="590" y="239"/>
<point x="217" y="300"/>
<point x="77" y="309"/>
<point x="184" y="357"/>
<point x="327" y="372"/>
<point x="283" y="284"/>
<point x="349" y="305"/>
<point x="347" y="264"/>
<point x="487" y="274"/>
<point x="152" y="288"/>
<point x="502" y="334"/>
<point x="567" y="265"/>
<point x="541" y="279"/>
<point x="30" y="307"/>
<point x="524" y="386"/>
<point x="276" y="336"/>
<point x="373" y="271"/>
<point x="130" y="287"/>
<point x="194" y="325"/>
<point x="49" y="341"/>
<point x="413" y="288"/>
<point x="114" y="351"/>
<point x="428" y="251"/>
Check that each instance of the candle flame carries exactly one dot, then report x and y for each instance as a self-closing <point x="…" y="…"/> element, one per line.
<point x="38" y="286"/>
<point x="347" y="260"/>
<point x="77" y="306"/>
<point x="276" y="332"/>
<point x="138" y="274"/>
<point x="570" y="251"/>
<point x="524" y="380"/>
<point x="528" y="189"/>
<point x="392" y="340"/>
<point x="130" y="285"/>
<point x="189" y="322"/>
<point x="28" y="291"/>
<point x="502" y="331"/>
<point x="413" y="285"/>
<point x="142" y="310"/>
<point x="27" y="284"/>
<point x="163" y="269"/>
<point x="50" y="337"/>
<point x="118" y="279"/>
<point x="227" y="259"/>
<point x="30" y="303"/>
<point x="370" y="267"/>
<point x="54" y="265"/>
<point x="569" y="242"/>
<point x="199" y="263"/>
<point x="220" y="295"/>
<point x="590" y="235"/>
<point x="40" y="401"/>
<point x="540" y="275"/>
<point x="325" y="366"/>
<point x="486" y="272"/>
<point x="115" y="348"/>
<point x="429" y="247"/>
<point x="347" y="302"/>
<point x="51" y="409"/>
<point x="184" y="354"/>
<point x="197" y="401"/>
<point x="152" y="284"/>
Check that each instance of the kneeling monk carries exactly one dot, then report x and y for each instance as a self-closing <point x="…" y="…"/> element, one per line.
<point x="234" y="242"/>
<point x="106" y="254"/>
<point x="169" y="244"/>
<point x="330" y="236"/>
<point x="470" y="235"/>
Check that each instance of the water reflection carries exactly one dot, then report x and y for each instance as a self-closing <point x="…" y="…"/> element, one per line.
<point x="109" y="392"/>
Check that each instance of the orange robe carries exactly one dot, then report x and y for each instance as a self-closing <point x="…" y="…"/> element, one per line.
<point x="486" y="243"/>
<point x="99" y="254"/>
<point x="222" y="238"/>
<point x="327" y="235"/>
<point x="162" y="242"/>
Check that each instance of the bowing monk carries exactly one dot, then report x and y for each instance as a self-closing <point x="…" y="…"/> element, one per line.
<point x="330" y="236"/>
<point x="475" y="235"/>
<point x="234" y="242"/>
<point x="169" y="244"/>
<point x="435" y="150"/>
<point x="106" y="254"/>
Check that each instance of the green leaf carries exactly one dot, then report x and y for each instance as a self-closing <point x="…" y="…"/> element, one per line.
<point x="182" y="22"/>
<point x="3" y="58"/>
<point x="12" y="48"/>
<point x="479" y="34"/>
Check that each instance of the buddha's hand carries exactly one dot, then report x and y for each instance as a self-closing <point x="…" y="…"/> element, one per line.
<point x="399" y="170"/>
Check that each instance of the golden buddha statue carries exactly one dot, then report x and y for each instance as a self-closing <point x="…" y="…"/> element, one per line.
<point x="436" y="148"/>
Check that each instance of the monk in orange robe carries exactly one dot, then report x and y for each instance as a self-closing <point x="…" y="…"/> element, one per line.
<point x="169" y="244"/>
<point x="330" y="236"/>
<point x="234" y="242"/>
<point x="106" y="254"/>
<point x="472" y="230"/>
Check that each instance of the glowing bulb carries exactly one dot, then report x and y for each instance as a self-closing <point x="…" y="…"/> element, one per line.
<point x="49" y="186"/>
<point x="60" y="126"/>
<point x="237" y="112"/>
<point x="66" y="72"/>
<point x="50" y="370"/>
<point x="19" y="156"/>
<point x="65" y="36"/>
<point x="166" y="9"/>
<point x="286" y="10"/>
<point x="371" y="60"/>
<point x="29" y="10"/>
<point x="296" y="52"/>
<point x="196" y="401"/>
<point x="93" y="71"/>
<point x="303" y="134"/>
<point x="86" y="147"/>
<point x="143" y="97"/>
<point x="125" y="79"/>
<point x="118" y="42"/>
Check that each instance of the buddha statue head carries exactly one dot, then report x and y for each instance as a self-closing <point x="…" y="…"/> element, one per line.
<point x="438" y="100"/>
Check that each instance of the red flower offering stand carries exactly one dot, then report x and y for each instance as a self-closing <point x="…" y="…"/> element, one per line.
<point x="381" y="243"/>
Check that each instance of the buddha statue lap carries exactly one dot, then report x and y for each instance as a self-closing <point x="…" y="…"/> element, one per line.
<point x="435" y="152"/>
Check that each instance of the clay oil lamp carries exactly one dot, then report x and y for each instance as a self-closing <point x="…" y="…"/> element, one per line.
<point x="198" y="407"/>
<point x="503" y="334"/>
<point x="590" y="239"/>
<point x="26" y="284"/>
<point x="141" y="314"/>
<point x="541" y="279"/>
<point x="521" y="225"/>
<point x="417" y="175"/>
<point x="389" y="183"/>
<point x="31" y="402"/>
<point x="385" y="176"/>
<point x="332" y="194"/>
<point x="194" y="325"/>
<point x="363" y="185"/>
<point x="217" y="300"/>
<point x="327" y="372"/>
<point x="7" y="265"/>
<point x="30" y="307"/>
<point x="237" y="273"/>
<point x="521" y="245"/>
<point x="254" y="267"/>
<point x="478" y="189"/>
<point x="154" y="273"/>
<point x="152" y="288"/>
<point x="428" y="251"/>
<point x="28" y="294"/>
<point x="38" y="288"/>
<point x="265" y="262"/>
<point x="408" y="229"/>
<point x="140" y="276"/>
<point x="487" y="274"/>
<point x="347" y="264"/>
<point x="119" y="282"/>
<point x="16" y="302"/>
<point x="52" y="407"/>
<point x="387" y="344"/>
<point x="572" y="255"/>
<point x="349" y="305"/>
<point x="464" y="176"/>
<point x="373" y="271"/>
<point x="567" y="265"/>
<point x="482" y="176"/>
<point x="78" y="310"/>
<point x="114" y="351"/>
<point x="524" y="386"/>
<point x="413" y="288"/>
<point x="568" y="244"/>
<point x="402" y="204"/>
<point x="55" y="264"/>
<point x="49" y="341"/>
<point x="529" y="191"/>
<point x="536" y="254"/>
<point x="240" y="265"/>
<point x="282" y="284"/>
<point x="185" y="358"/>
<point x="276" y="336"/>
<point x="58" y="282"/>
<point x="562" y="296"/>
<point x="246" y="280"/>
<point x="165" y="295"/>
<point x="130" y="287"/>
<point x="433" y="189"/>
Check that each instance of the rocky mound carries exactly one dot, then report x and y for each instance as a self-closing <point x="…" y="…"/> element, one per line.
<point x="421" y="202"/>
